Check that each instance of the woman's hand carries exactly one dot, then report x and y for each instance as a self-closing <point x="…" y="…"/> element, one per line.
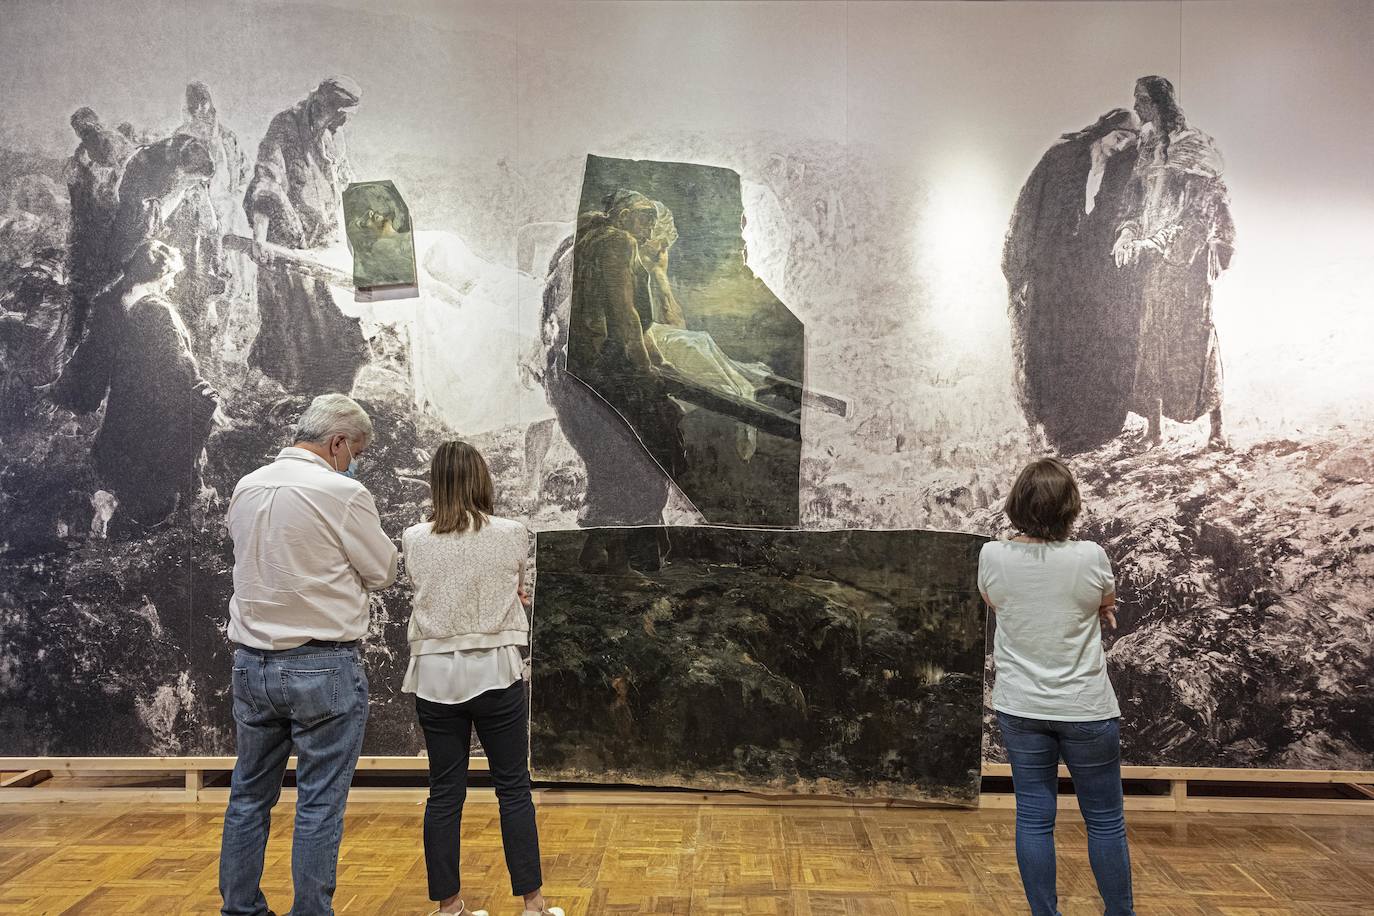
<point x="523" y="596"/>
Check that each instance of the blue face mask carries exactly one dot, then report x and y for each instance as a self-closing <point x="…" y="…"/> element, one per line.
<point x="352" y="469"/>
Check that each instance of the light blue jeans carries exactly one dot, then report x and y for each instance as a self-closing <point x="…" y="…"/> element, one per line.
<point x="1092" y="751"/>
<point x="312" y="699"/>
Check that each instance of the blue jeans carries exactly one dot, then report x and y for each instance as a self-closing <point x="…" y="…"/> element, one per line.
<point x="1092" y="751"/>
<point x="312" y="698"/>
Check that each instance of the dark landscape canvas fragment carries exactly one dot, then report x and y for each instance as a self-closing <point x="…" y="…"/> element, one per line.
<point x="833" y="662"/>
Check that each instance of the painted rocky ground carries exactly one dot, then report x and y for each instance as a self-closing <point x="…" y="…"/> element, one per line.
<point x="1245" y="580"/>
<point x="845" y="663"/>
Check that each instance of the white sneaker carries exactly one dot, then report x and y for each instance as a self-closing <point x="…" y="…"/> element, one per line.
<point x="551" y="911"/>
<point x="465" y="912"/>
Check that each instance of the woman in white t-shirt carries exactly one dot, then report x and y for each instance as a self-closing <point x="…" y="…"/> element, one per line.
<point x="467" y="625"/>
<point x="1053" y="699"/>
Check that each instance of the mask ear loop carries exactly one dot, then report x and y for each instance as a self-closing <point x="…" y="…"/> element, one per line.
<point x="351" y="459"/>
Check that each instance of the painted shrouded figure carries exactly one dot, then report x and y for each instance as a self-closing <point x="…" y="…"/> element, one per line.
<point x="294" y="200"/>
<point x="1073" y="330"/>
<point x="207" y="212"/>
<point x="157" y="181"/>
<point x="1177" y="236"/>
<point x="614" y="298"/>
<point x="231" y="165"/>
<point x="159" y="410"/>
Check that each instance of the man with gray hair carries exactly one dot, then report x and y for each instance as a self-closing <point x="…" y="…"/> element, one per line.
<point x="308" y="547"/>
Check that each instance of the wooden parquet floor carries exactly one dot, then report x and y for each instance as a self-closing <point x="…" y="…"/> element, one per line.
<point x="122" y="859"/>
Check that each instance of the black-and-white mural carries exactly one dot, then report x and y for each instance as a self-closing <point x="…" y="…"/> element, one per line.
<point x="1128" y="234"/>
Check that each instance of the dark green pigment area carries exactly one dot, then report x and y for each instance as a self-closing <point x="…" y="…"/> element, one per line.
<point x="845" y="663"/>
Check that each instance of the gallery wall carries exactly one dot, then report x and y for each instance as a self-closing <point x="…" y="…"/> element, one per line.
<point x="881" y="148"/>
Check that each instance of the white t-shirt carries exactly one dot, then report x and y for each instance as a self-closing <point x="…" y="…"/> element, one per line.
<point x="1048" y="648"/>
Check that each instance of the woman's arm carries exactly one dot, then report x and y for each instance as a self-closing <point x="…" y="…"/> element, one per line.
<point x="1106" y="612"/>
<point x="520" y="592"/>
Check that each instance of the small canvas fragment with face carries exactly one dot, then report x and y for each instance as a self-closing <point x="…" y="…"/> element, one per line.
<point x="381" y="237"/>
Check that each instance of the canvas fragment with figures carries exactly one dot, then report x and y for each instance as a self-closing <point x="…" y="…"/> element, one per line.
<point x="833" y="662"/>
<point x="669" y="326"/>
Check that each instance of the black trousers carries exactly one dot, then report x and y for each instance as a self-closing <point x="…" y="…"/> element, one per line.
<point x="501" y="718"/>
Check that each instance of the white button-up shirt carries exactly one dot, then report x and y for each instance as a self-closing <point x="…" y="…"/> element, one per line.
<point x="308" y="546"/>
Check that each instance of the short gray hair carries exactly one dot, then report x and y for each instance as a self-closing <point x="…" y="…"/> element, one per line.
<point x="332" y="415"/>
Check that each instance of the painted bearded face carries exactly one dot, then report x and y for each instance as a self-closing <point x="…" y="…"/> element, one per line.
<point x="639" y="222"/>
<point x="1145" y="106"/>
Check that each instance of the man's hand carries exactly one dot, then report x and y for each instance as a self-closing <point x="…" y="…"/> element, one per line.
<point x="1107" y="615"/>
<point x="1124" y="251"/>
<point x="262" y="255"/>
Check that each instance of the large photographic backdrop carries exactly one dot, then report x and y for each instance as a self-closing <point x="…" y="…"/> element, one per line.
<point x="1001" y="242"/>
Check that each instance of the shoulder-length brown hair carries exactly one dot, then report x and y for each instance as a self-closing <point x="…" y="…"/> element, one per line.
<point x="1044" y="502"/>
<point x="460" y="485"/>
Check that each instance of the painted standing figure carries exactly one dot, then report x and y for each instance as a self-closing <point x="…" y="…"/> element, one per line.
<point x="35" y="327"/>
<point x="1073" y="330"/>
<point x="1178" y="235"/>
<point x="625" y="485"/>
<point x="614" y="297"/>
<point x="294" y="200"/>
<point x="93" y="173"/>
<point x="154" y="182"/>
<point x="612" y="309"/>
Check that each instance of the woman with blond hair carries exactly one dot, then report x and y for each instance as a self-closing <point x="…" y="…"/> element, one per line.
<point x="467" y="567"/>
<point x="1052" y="596"/>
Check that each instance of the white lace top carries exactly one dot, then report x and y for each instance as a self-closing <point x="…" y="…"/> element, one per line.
<point x="467" y="620"/>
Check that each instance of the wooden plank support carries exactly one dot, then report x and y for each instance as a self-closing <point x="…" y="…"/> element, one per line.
<point x="1232" y="805"/>
<point x="32" y="781"/>
<point x="26" y="779"/>
<point x="1210" y="774"/>
<point x="68" y="765"/>
<point x="997" y="801"/>
<point x="1178" y="792"/>
<point x="1193" y="774"/>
